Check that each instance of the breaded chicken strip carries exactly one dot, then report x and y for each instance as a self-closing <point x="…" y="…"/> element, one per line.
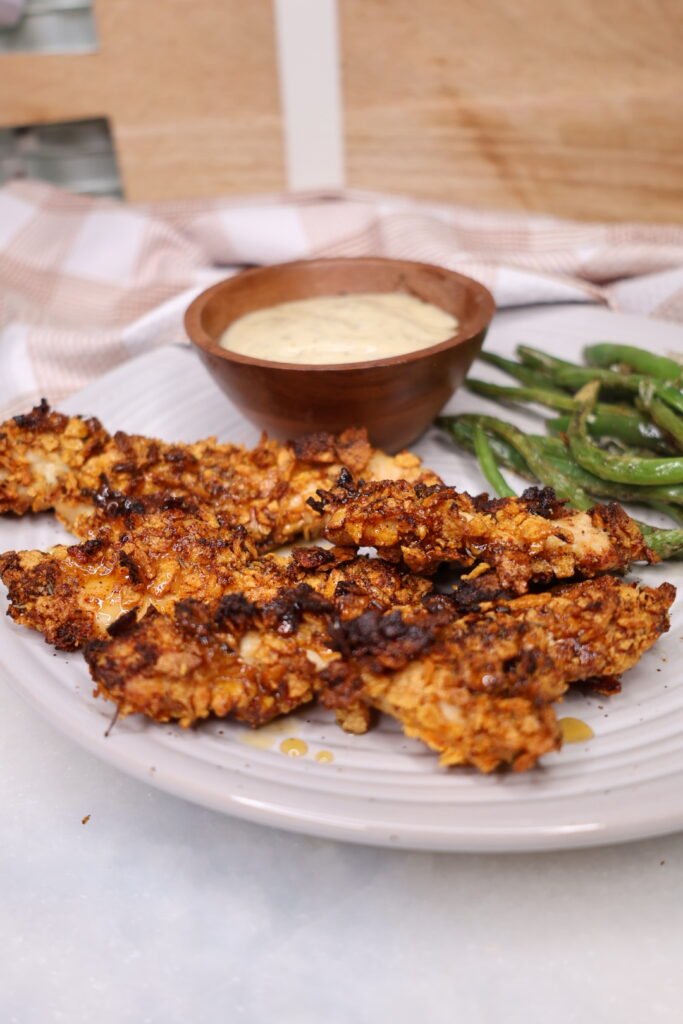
<point x="43" y="455"/>
<point x="73" y="593"/>
<point x="476" y="689"/>
<point x="253" y="661"/>
<point x="532" y="538"/>
<point x="473" y="688"/>
<point x="227" y="659"/>
<point x="72" y="465"/>
<point x="264" y="489"/>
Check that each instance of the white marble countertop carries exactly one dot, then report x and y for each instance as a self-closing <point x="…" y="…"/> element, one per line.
<point x="157" y="910"/>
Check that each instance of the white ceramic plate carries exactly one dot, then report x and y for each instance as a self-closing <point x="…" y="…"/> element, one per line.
<point x="624" y="783"/>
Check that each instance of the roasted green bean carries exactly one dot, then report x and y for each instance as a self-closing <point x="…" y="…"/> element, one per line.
<point x="540" y="467"/>
<point x="525" y="374"/>
<point x="620" y="468"/>
<point x="580" y="470"/>
<point x="631" y="428"/>
<point x="463" y="435"/>
<point x="639" y="360"/>
<point x="553" y="399"/>
<point x="621" y="382"/>
<point x="488" y="464"/>
<point x="538" y="360"/>
<point x="556" y="453"/>
<point x="663" y="416"/>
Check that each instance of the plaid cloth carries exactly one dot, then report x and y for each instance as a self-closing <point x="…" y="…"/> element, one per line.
<point x="88" y="283"/>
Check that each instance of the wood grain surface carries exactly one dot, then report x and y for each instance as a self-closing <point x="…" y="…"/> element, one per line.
<point x="574" y="109"/>
<point x="190" y="90"/>
<point x="546" y="106"/>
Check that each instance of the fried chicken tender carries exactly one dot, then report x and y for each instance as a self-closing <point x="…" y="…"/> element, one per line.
<point x="474" y="688"/>
<point x="42" y="456"/>
<point x="532" y="538"/>
<point x="229" y="660"/>
<point x="254" y="661"/>
<point x="74" y="466"/>
<point x="185" y="615"/>
<point x="73" y="593"/>
<point x="477" y="689"/>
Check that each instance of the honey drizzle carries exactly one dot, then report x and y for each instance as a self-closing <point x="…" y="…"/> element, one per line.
<point x="294" y="747"/>
<point x="574" y="730"/>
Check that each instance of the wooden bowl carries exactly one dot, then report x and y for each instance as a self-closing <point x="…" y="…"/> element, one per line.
<point x="394" y="398"/>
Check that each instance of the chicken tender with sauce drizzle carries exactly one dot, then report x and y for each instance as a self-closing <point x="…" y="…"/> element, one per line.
<point x="227" y="660"/>
<point x="529" y="539"/>
<point x="43" y="455"/>
<point x="444" y="685"/>
<point x="73" y="593"/>
<point x="195" y="660"/>
<point x="474" y="688"/>
<point x="185" y="615"/>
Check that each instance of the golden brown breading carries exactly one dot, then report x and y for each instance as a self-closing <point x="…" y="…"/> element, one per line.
<point x="532" y="538"/>
<point x="473" y="688"/>
<point x="72" y="465"/>
<point x="72" y="594"/>
<point x="236" y="657"/>
<point x="42" y="455"/>
<point x="263" y="489"/>
<point x="205" y="661"/>
<point x="184" y="616"/>
<point x="442" y="681"/>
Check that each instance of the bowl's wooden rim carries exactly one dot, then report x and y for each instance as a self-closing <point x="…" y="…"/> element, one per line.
<point x="468" y="330"/>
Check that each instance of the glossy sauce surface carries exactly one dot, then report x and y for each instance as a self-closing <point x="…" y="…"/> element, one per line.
<point x="294" y="747"/>
<point x="340" y="329"/>
<point x="575" y="730"/>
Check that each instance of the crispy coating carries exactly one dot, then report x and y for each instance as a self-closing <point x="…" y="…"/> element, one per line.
<point x="444" y="681"/>
<point x="252" y="661"/>
<point x="205" y="661"/>
<point x="474" y="688"/>
<point x="184" y="615"/>
<point x="263" y="489"/>
<point x="89" y="477"/>
<point x="532" y="538"/>
<point x="42" y="455"/>
<point x="73" y="593"/>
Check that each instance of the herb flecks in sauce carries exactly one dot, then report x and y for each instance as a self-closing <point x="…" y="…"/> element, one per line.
<point x="340" y="329"/>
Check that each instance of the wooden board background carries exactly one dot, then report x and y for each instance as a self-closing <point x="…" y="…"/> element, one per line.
<point x="190" y="89"/>
<point x="573" y="109"/>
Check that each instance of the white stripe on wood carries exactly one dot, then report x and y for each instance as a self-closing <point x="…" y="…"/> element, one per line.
<point x="310" y="90"/>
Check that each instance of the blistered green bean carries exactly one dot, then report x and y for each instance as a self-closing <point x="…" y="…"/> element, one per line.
<point x="621" y="383"/>
<point x="638" y="360"/>
<point x="666" y="418"/>
<point x="463" y="435"/>
<point x="628" y="469"/>
<point x="632" y="428"/>
<point x="488" y="464"/>
<point x="538" y="360"/>
<point x="540" y="467"/>
<point x="556" y="453"/>
<point x="525" y="374"/>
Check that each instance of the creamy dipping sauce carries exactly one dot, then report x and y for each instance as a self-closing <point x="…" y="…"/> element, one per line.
<point x="340" y="329"/>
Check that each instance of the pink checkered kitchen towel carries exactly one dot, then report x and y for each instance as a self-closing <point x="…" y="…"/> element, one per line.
<point x="88" y="283"/>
